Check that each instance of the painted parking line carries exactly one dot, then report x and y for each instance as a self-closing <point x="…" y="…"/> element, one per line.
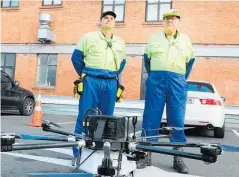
<point x="55" y="161"/>
<point x="150" y="171"/>
<point x="66" y="123"/>
<point x="236" y="132"/>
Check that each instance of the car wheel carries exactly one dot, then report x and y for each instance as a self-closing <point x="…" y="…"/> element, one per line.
<point x="27" y="107"/>
<point x="219" y="132"/>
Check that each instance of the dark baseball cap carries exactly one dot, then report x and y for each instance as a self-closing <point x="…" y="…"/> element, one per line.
<point x="108" y="13"/>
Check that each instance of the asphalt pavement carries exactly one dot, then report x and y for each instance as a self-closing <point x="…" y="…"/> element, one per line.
<point x="19" y="163"/>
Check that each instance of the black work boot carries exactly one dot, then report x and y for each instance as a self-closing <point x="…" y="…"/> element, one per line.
<point x="178" y="163"/>
<point x="143" y="163"/>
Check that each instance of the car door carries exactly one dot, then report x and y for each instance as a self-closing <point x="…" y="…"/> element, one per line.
<point x="3" y="90"/>
<point x="8" y="99"/>
<point x="5" y="85"/>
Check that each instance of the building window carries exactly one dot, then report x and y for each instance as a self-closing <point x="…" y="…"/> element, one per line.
<point x="156" y="8"/>
<point x="117" y="6"/>
<point x="46" y="70"/>
<point x="8" y="61"/>
<point x="10" y="3"/>
<point x="51" y="2"/>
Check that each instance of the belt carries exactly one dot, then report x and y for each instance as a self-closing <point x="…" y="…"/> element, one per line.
<point x="102" y="77"/>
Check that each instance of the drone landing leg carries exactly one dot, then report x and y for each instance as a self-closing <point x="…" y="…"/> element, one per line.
<point x="119" y="161"/>
<point x="77" y="160"/>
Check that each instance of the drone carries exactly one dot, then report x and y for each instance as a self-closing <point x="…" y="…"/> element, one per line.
<point x="106" y="148"/>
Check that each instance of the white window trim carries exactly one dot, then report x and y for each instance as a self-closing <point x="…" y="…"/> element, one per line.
<point x="158" y="10"/>
<point x="114" y="5"/>
<point x="45" y="86"/>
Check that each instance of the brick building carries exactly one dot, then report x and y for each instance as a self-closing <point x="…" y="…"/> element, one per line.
<point x="42" y="63"/>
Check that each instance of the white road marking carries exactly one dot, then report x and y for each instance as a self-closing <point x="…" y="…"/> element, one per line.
<point x="61" y="150"/>
<point x="55" y="161"/>
<point x="150" y="171"/>
<point x="66" y="123"/>
<point x="236" y="133"/>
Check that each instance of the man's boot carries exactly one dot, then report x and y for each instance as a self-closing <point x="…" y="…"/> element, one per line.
<point x="143" y="163"/>
<point x="178" y="163"/>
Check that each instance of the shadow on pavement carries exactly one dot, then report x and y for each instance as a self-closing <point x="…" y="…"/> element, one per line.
<point x="199" y="132"/>
<point x="10" y="113"/>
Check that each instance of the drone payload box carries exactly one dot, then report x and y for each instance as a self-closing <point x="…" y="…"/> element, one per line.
<point x="111" y="127"/>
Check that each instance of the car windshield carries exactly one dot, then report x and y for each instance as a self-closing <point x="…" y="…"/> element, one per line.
<point x="200" y="87"/>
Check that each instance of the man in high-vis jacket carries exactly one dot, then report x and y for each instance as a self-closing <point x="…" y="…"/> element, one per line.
<point x="168" y="60"/>
<point x="100" y="56"/>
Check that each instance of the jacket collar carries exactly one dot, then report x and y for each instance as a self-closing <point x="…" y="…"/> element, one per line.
<point x="102" y="36"/>
<point x="175" y="36"/>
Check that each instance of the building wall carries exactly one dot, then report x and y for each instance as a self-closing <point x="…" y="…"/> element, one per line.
<point x="26" y="71"/>
<point x="210" y="21"/>
<point x="132" y="77"/>
<point x="222" y="72"/>
<point x="205" y="21"/>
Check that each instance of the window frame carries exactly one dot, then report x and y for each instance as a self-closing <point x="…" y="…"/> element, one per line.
<point x="113" y="9"/>
<point x="11" y="67"/>
<point x="52" y="3"/>
<point x="10" y="5"/>
<point x="38" y="56"/>
<point x="158" y="10"/>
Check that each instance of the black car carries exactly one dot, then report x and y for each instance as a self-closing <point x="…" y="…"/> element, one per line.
<point x="14" y="97"/>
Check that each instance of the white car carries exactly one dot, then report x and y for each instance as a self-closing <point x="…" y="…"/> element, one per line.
<point x="204" y="108"/>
